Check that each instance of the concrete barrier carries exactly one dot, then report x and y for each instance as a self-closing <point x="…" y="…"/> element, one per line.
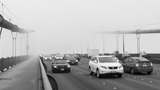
<point x="53" y="82"/>
<point x="46" y="83"/>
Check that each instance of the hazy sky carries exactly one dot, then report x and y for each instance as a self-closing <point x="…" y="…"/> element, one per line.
<point x="74" y="25"/>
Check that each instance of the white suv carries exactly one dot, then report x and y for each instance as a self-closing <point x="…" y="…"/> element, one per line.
<point x="101" y="65"/>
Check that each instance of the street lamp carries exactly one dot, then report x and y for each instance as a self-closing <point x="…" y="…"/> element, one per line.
<point x="138" y="41"/>
<point x="14" y="37"/>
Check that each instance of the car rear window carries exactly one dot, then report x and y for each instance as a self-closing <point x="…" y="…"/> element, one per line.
<point x="143" y="59"/>
<point x="107" y="59"/>
<point x="60" y="62"/>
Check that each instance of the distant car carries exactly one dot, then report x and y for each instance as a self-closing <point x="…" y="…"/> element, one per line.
<point x="71" y="60"/>
<point x="77" y="57"/>
<point x="137" y="65"/>
<point x="102" y="65"/>
<point x="60" y="66"/>
<point x="58" y="57"/>
<point x="47" y="58"/>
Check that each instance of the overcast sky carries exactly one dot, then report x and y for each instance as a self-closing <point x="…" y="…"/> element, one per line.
<point x="75" y="25"/>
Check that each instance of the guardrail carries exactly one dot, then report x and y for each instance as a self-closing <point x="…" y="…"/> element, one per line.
<point x="46" y="83"/>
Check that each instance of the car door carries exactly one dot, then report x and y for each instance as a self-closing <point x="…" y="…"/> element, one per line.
<point x="95" y="61"/>
<point x="91" y="62"/>
<point x="125" y="64"/>
<point x="128" y="64"/>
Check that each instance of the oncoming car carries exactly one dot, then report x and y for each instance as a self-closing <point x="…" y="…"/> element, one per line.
<point x="60" y="65"/>
<point x="137" y="65"/>
<point x="102" y="65"/>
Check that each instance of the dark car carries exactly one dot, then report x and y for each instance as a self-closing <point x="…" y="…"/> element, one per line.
<point x="77" y="57"/>
<point x="137" y="65"/>
<point x="60" y="66"/>
<point x="71" y="60"/>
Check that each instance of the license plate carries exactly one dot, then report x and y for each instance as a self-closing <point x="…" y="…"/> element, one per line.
<point x="113" y="71"/>
<point x="62" y="69"/>
<point x="144" y="65"/>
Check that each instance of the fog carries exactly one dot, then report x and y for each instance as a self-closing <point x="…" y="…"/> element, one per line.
<point x="75" y="25"/>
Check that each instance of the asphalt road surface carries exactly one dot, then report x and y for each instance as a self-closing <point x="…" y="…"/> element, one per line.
<point x="23" y="76"/>
<point x="79" y="79"/>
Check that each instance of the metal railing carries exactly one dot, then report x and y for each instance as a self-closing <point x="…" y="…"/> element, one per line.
<point x="46" y="83"/>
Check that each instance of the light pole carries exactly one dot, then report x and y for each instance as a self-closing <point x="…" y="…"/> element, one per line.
<point x="27" y="44"/>
<point x="14" y="37"/>
<point x="103" y="44"/>
<point x="123" y="43"/>
<point x="1" y="32"/>
<point x="138" y="36"/>
<point x="117" y="42"/>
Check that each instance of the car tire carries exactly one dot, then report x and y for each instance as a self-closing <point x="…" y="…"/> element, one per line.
<point x="90" y="71"/>
<point x="132" y="71"/>
<point x="68" y="71"/>
<point x="53" y="71"/>
<point x="98" y="75"/>
<point x="119" y="75"/>
<point x="149" y="73"/>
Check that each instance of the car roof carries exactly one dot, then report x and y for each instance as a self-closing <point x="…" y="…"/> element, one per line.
<point x="105" y="56"/>
<point x="139" y="58"/>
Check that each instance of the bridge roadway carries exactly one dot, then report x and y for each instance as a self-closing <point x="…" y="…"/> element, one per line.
<point x="24" y="76"/>
<point x="79" y="79"/>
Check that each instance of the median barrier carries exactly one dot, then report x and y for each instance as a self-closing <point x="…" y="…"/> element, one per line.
<point x="52" y="81"/>
<point x="49" y="83"/>
<point x="45" y="81"/>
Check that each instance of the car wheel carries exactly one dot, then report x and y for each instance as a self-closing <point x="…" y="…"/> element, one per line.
<point x="68" y="71"/>
<point x="132" y="71"/>
<point x="126" y="70"/>
<point x="119" y="75"/>
<point x="149" y="73"/>
<point x="98" y="75"/>
<point x="53" y="71"/>
<point x="90" y="71"/>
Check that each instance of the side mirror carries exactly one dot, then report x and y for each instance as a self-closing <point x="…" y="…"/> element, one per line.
<point x="120" y="62"/>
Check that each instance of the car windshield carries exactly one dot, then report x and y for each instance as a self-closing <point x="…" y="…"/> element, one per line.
<point x="107" y="59"/>
<point x="70" y="58"/>
<point x="60" y="62"/>
<point x="143" y="59"/>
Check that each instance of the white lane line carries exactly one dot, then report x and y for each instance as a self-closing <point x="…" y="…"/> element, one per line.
<point x="143" y="83"/>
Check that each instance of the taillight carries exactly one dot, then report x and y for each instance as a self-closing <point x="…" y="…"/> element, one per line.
<point x="137" y="65"/>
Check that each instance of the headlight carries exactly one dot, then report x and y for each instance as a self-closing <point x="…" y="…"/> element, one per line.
<point x="151" y="64"/>
<point x="55" y="66"/>
<point x="137" y="65"/>
<point x="68" y="66"/>
<point x="103" y="67"/>
<point x="67" y="61"/>
<point x="76" y="60"/>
